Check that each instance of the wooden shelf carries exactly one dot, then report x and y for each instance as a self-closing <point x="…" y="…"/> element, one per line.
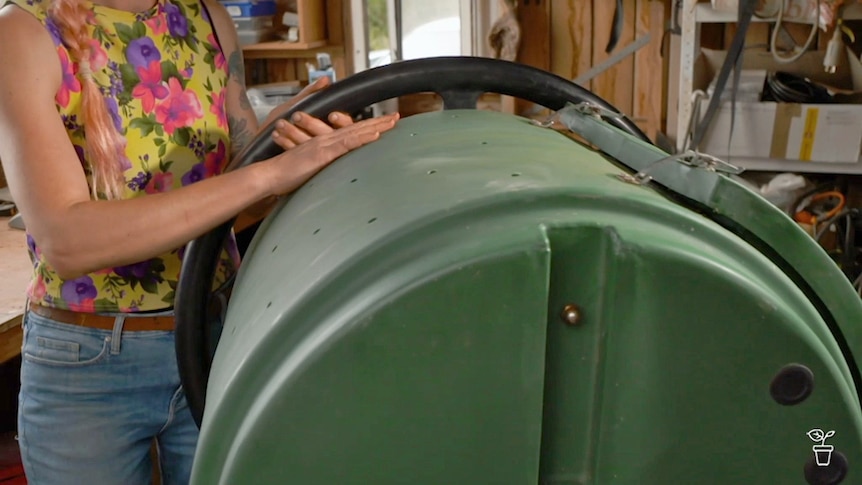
<point x="285" y="46"/>
<point x="321" y="26"/>
<point x="705" y="14"/>
<point x="796" y="166"/>
<point x="281" y="49"/>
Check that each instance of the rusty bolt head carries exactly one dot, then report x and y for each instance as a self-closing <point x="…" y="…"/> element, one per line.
<point x="572" y="315"/>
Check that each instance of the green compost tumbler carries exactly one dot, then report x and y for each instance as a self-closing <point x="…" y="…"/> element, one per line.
<point x="477" y="298"/>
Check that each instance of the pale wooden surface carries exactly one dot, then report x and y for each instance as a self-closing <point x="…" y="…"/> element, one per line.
<point x="579" y="33"/>
<point x="15" y="269"/>
<point x="648" y="109"/>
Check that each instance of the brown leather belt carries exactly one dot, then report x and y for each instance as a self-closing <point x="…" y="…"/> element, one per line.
<point x="90" y="320"/>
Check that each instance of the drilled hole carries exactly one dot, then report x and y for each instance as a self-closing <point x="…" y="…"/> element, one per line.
<point x="372" y="220"/>
<point x="484" y="142"/>
<point x="413" y="134"/>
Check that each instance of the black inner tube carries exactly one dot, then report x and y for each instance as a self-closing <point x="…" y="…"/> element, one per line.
<point x="460" y="81"/>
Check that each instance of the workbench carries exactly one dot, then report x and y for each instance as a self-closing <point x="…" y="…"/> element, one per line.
<point x="15" y="270"/>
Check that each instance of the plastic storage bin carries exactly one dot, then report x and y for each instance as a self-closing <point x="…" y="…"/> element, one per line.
<point x="253" y="20"/>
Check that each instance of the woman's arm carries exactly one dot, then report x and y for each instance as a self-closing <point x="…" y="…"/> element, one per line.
<point x="79" y="235"/>
<point x="241" y="117"/>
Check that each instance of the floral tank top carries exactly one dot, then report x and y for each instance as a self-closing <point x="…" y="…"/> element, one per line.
<point x="164" y="78"/>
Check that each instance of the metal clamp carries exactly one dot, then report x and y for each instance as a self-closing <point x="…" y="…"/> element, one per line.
<point x="585" y="108"/>
<point x="591" y="109"/>
<point x="708" y="162"/>
<point x="690" y="158"/>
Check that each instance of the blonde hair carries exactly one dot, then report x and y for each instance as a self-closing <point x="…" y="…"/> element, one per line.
<point x="105" y="145"/>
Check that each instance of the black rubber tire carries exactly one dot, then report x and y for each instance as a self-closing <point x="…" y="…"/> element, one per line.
<point x="460" y="81"/>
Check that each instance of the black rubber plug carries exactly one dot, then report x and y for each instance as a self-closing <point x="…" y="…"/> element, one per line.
<point x="832" y="474"/>
<point x="792" y="385"/>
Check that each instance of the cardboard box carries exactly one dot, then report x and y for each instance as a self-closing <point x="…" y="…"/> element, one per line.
<point x="787" y="131"/>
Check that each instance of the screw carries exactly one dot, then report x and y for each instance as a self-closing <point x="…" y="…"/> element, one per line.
<point x="572" y="315"/>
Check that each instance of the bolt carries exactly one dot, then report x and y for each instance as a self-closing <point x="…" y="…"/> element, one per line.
<point x="572" y="315"/>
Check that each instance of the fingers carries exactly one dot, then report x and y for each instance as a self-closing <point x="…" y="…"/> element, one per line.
<point x="311" y="125"/>
<point x="300" y="164"/>
<point x="301" y="129"/>
<point x="286" y="135"/>
<point x="359" y="134"/>
<point x="340" y="120"/>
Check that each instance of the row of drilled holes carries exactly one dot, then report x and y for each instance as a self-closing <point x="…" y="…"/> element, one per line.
<point x="373" y="219"/>
<point x="370" y="221"/>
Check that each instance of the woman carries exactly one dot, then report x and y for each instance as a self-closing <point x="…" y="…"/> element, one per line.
<point x="117" y="118"/>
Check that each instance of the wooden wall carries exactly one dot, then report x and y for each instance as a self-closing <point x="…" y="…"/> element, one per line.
<point x="568" y="37"/>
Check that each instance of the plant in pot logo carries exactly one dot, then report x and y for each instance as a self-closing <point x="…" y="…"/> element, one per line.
<point x="822" y="452"/>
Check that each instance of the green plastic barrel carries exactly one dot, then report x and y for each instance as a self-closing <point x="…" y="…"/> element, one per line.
<point x="475" y="299"/>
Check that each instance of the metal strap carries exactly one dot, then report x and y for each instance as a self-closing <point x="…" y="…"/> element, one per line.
<point x="732" y="61"/>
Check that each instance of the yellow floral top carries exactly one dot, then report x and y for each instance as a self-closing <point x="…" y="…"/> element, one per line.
<point x="164" y="78"/>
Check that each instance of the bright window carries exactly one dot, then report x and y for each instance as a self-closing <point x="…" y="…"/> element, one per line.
<point x="412" y="29"/>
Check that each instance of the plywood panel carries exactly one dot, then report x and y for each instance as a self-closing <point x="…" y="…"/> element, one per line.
<point x="568" y="37"/>
<point x="615" y="85"/>
<point x="649" y="68"/>
<point x="571" y="37"/>
<point x="535" y="47"/>
<point x="757" y="35"/>
<point x="335" y="18"/>
<point x="312" y="20"/>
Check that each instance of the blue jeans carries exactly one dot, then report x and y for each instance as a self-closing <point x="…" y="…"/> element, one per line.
<point x="92" y="401"/>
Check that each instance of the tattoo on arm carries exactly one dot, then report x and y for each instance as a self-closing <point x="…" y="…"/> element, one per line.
<point x="239" y="134"/>
<point x="236" y="70"/>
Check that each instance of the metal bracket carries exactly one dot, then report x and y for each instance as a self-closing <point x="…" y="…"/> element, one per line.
<point x="588" y="121"/>
<point x="585" y="108"/>
<point x="596" y="111"/>
<point x="691" y="158"/>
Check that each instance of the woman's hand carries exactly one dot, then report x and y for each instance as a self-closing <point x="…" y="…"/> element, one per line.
<point x="312" y="145"/>
<point x="288" y="135"/>
<point x="303" y="127"/>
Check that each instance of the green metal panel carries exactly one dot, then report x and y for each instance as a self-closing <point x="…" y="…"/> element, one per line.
<point x="398" y="321"/>
<point x="675" y="353"/>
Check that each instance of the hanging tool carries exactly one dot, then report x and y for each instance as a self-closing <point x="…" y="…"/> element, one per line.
<point x="611" y="61"/>
<point x="618" y="25"/>
<point x="599" y="68"/>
